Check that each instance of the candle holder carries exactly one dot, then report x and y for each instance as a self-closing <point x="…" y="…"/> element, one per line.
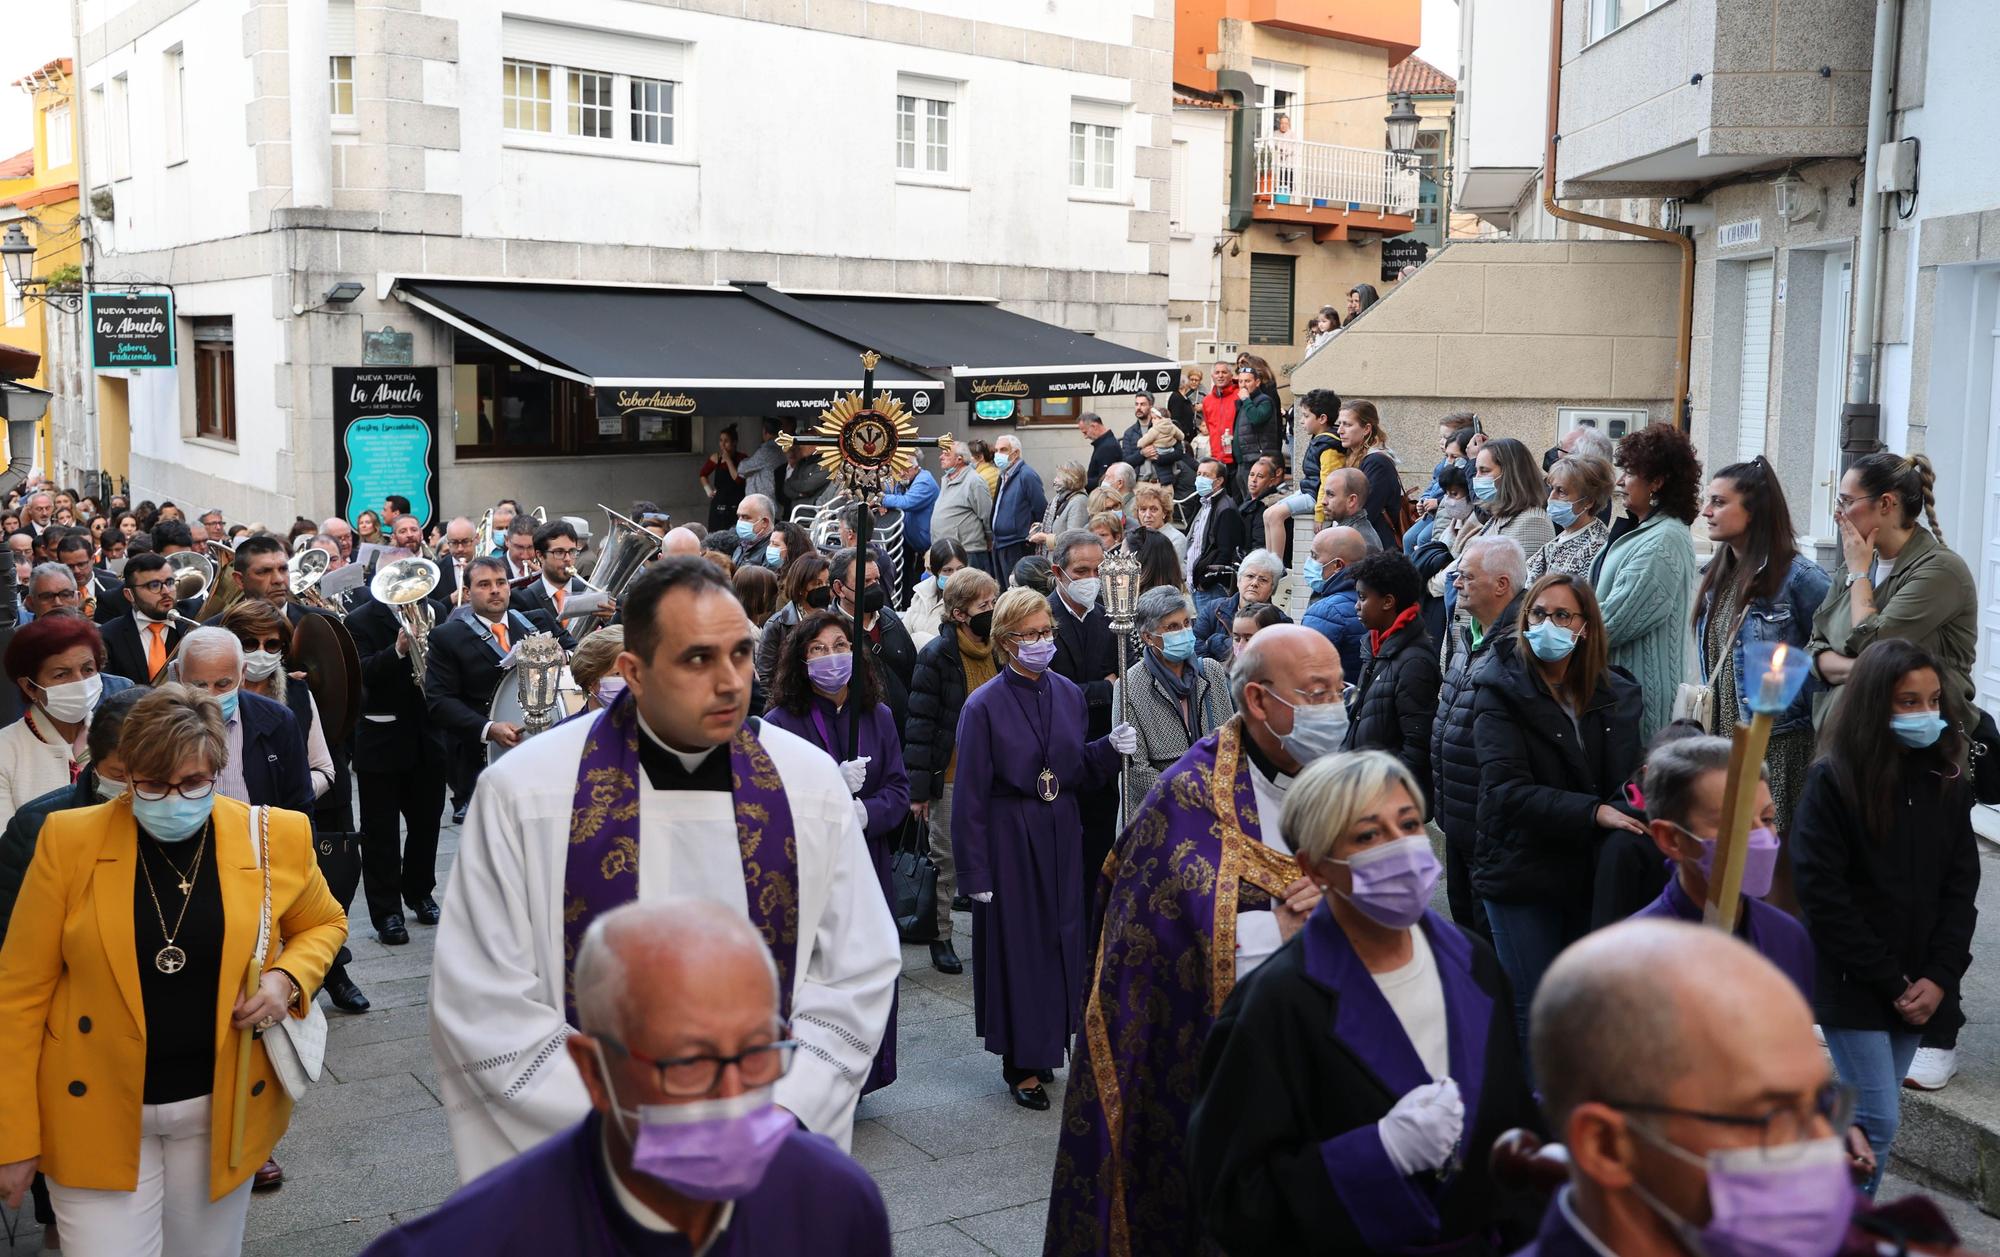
<point x="1773" y="674"/>
<point x="1120" y="574"/>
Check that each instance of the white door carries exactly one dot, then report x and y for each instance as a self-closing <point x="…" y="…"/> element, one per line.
<point x="1753" y="400"/>
<point x="1837" y="296"/>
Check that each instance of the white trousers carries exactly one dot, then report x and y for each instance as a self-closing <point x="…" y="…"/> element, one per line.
<point x="169" y="1214"/>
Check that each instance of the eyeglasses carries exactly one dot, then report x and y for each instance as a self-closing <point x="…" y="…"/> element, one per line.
<point x="154" y="791"/>
<point x="560" y="553"/>
<point x="1042" y="635"/>
<point x="1563" y="616"/>
<point x="690" y="1076"/>
<point x="1845" y="503"/>
<point x="1783" y="1127"/>
<point x="153" y="586"/>
<point x="1317" y="698"/>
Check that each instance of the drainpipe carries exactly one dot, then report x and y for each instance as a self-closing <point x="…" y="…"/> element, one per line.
<point x="1861" y="417"/>
<point x="1684" y="344"/>
<point x="1239" y="90"/>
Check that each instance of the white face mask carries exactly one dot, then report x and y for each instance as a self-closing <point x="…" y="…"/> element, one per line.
<point x="260" y="664"/>
<point x="72" y="701"/>
<point x="108" y="789"/>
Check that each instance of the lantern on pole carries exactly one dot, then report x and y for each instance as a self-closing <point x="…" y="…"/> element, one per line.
<point x="1120" y="574"/>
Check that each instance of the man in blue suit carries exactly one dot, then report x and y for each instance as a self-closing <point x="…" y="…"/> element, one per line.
<point x="1017" y="505"/>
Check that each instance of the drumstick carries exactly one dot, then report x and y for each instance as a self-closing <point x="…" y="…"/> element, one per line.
<point x="238" y="1113"/>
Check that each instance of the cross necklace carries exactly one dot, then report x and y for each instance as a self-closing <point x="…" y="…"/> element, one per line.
<point x="170" y="958"/>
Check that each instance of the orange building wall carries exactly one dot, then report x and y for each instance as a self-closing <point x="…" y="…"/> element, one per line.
<point x="1390" y="24"/>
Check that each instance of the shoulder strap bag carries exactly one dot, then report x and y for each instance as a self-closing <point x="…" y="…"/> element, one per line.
<point x="296" y="1046"/>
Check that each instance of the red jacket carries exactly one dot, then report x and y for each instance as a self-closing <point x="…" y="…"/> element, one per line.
<point x="1218" y="417"/>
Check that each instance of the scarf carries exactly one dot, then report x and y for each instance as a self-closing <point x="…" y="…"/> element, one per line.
<point x="1181" y="687"/>
<point x="602" y="870"/>
<point x="1376" y="639"/>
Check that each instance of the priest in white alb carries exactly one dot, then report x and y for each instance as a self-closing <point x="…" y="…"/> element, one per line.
<point x="671" y="790"/>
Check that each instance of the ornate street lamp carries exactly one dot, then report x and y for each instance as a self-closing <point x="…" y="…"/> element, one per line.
<point x="1402" y="125"/>
<point x="20" y="257"/>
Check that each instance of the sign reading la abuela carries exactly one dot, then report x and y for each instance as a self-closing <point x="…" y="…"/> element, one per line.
<point x="131" y="330"/>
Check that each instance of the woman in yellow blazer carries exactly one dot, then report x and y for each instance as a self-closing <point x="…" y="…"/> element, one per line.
<point x="121" y="995"/>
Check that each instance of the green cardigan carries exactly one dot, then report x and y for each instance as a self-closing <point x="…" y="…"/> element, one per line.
<point x="1646" y="590"/>
<point x="1928" y="599"/>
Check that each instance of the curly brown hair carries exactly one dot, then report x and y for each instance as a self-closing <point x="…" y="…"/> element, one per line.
<point x="1660" y="451"/>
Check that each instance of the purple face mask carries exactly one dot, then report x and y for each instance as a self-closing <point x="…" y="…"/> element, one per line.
<point x="1393" y="882"/>
<point x="1760" y="860"/>
<point x="1037" y="656"/>
<point x="1791" y="1201"/>
<point x="829" y="673"/>
<point x="709" y="1149"/>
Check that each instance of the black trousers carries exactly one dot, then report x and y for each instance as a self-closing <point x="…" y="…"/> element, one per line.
<point x="465" y="759"/>
<point x="1466" y="911"/>
<point x="1004" y="558"/>
<point x="402" y="807"/>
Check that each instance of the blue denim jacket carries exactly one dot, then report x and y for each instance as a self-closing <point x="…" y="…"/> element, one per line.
<point x="1786" y="616"/>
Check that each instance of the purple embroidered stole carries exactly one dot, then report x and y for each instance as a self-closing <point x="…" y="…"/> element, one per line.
<point x="1169" y="898"/>
<point x="602" y="870"/>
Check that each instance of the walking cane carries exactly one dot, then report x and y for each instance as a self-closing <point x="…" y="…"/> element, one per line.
<point x="244" y="1037"/>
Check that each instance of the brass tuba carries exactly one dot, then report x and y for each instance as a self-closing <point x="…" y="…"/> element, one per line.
<point x="194" y="576"/>
<point x="404" y="585"/>
<point x="306" y="568"/>
<point x="626" y="551"/>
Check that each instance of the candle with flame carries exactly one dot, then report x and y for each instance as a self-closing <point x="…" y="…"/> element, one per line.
<point x="1780" y="673"/>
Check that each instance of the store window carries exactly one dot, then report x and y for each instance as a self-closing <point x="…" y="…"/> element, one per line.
<point x="505" y="408"/>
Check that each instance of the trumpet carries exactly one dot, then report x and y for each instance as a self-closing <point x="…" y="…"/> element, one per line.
<point x="306" y="569"/>
<point x="404" y="585"/>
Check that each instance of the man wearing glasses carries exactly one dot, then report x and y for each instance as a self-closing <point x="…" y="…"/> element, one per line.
<point x="1678" y="1068"/>
<point x="679" y="1048"/>
<point x="137" y="646"/>
<point x="557" y="545"/>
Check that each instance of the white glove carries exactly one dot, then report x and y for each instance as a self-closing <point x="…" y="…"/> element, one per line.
<point x="1423" y="1128"/>
<point x="1124" y="739"/>
<point x="984" y="896"/>
<point x="861" y="815"/>
<point x="854" y="772"/>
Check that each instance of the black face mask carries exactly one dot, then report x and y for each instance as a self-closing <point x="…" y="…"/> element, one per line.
<point x="871" y="600"/>
<point x="819" y="599"/>
<point x="982" y="625"/>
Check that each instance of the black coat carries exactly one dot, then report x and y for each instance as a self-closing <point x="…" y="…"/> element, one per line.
<point x="896" y="656"/>
<point x="1454" y="760"/>
<point x="389" y="688"/>
<point x="461" y="670"/>
<point x="1185" y="411"/>
<point x="125" y="647"/>
<point x="937" y="694"/>
<point x="534" y="596"/>
<point x="1541" y="779"/>
<point x="1087" y="654"/>
<point x="1398" y="700"/>
<point x="1884" y="909"/>
<point x="1104" y="451"/>
<point x="1250" y="515"/>
<point x="1221" y="544"/>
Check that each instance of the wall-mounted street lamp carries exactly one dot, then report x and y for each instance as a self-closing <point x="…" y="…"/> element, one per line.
<point x="1795" y="200"/>
<point x="1402" y="125"/>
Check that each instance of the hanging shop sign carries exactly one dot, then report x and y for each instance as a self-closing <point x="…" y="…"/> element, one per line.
<point x="131" y="330"/>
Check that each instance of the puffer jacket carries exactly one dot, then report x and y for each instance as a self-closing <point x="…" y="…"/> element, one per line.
<point x="937" y="694"/>
<point x="1332" y="613"/>
<point x="1454" y="760"/>
<point x="1258" y="429"/>
<point x="1398" y="700"/>
<point x="1542" y="777"/>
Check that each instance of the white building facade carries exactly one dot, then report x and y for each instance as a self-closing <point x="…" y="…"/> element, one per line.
<point x="254" y="158"/>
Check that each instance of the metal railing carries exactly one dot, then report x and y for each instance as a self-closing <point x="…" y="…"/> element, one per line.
<point x="1298" y="172"/>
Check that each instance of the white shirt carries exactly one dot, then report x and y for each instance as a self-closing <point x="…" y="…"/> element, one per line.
<point x="497" y="1014"/>
<point x="1416" y="995"/>
<point x="1257" y="933"/>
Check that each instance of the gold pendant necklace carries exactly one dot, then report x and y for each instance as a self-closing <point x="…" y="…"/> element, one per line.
<point x="170" y="959"/>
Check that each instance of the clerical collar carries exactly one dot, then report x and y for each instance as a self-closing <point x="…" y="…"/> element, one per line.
<point x="668" y="768"/>
<point x="1275" y="777"/>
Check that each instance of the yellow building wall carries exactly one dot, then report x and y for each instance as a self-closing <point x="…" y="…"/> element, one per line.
<point x="114" y="427"/>
<point x="55" y="228"/>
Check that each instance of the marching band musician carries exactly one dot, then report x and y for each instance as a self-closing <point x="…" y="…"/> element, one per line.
<point x="460" y="544"/>
<point x="520" y="548"/>
<point x="98" y="587"/>
<point x="137" y="646"/>
<point x="557" y="545"/>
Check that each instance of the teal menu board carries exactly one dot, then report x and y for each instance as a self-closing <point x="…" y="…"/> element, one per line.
<point x="385" y="439"/>
<point x="131" y="330"/>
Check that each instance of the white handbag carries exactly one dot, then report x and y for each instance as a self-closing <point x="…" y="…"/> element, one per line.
<point x="296" y="1046"/>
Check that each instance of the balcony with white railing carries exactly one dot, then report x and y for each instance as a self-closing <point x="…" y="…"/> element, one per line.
<point x="1332" y="187"/>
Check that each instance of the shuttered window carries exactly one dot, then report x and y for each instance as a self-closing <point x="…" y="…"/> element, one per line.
<point x="1271" y="276"/>
<point x="1754" y="381"/>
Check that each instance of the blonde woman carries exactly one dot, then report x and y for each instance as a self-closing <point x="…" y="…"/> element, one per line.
<point x="122" y="1041"/>
<point x="1068" y="507"/>
<point x="593" y="668"/>
<point x="1017" y="839"/>
<point x="1153" y="507"/>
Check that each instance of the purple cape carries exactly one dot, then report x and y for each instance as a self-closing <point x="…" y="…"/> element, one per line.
<point x="602" y="871"/>
<point x="1169" y="896"/>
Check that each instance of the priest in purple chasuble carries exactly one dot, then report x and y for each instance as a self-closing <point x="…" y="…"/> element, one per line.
<point x="672" y="790"/>
<point x="1198" y="892"/>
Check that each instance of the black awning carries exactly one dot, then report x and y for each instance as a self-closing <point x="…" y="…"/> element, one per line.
<point x="669" y="351"/>
<point x="987" y="351"/>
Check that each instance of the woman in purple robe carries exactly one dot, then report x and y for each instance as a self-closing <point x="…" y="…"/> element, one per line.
<point x="1018" y="840"/>
<point x="819" y="693"/>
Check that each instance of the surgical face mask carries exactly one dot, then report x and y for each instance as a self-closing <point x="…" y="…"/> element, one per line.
<point x="1485" y="488"/>
<point x="73" y="701"/>
<point x="1083" y="591"/>
<point x="1204" y="485"/>
<point x="1393" y="882"/>
<point x="706" y="1149"/>
<point x="107" y="789"/>
<point x="1550" y="641"/>
<point x="1791" y="1201"/>
<point x="773" y="557"/>
<point x="1036" y="656"/>
<point x="830" y="673"/>
<point x="1562" y="513"/>
<point x="941" y="578"/>
<point x="229" y="700"/>
<point x="1913" y="729"/>
<point x="1002" y="460"/>
<point x="1178" y="645"/>
<point x="174" y="818"/>
<point x="259" y="664"/>
<point x="1451" y="508"/>
<point x="1317" y="730"/>
<point x="1760" y="859"/>
<point x="745" y="530"/>
<point x="1314" y="572"/>
<point x="609" y="688"/>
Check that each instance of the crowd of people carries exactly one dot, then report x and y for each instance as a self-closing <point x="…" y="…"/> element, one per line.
<point x="1197" y="855"/>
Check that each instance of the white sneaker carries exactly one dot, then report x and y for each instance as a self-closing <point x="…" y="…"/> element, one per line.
<point x="1932" y="1069"/>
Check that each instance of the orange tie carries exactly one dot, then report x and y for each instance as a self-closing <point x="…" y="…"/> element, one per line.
<point x="156" y="650"/>
<point x="560" y="595"/>
<point x="500" y="635"/>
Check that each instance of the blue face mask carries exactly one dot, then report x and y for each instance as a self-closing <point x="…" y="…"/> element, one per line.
<point x="1917" y="729"/>
<point x="1314" y="572"/>
<point x="173" y="819"/>
<point x="941" y="578"/>
<point x="773" y="557"/>
<point x="1485" y="488"/>
<point x="745" y="530"/>
<point x="1178" y="645"/>
<point x="1562" y="513"/>
<point x="1204" y="485"/>
<point x="1001" y="460"/>
<point x="229" y="703"/>
<point x="1550" y="641"/>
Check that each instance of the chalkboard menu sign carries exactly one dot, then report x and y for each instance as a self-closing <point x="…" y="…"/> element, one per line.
<point x="131" y="329"/>
<point x="1401" y="252"/>
<point x="385" y="439"/>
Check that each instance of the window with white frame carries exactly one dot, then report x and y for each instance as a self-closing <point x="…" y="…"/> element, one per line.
<point x="173" y="105"/>
<point x="602" y="90"/>
<point x="340" y="62"/>
<point x="1279" y="88"/>
<point x="340" y="86"/>
<point x="926" y="123"/>
<point x="56" y="128"/>
<point x="1093" y="144"/>
<point x="94" y="119"/>
<point x="121" y="128"/>
<point x="16" y="305"/>
<point x="1608" y="15"/>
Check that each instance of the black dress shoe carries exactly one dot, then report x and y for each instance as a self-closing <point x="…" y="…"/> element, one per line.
<point x="961" y="903"/>
<point x="458" y="815"/>
<point x="346" y="996"/>
<point x="425" y="910"/>
<point x="1036" y="1098"/>
<point x="944" y="959"/>
<point x="391" y="930"/>
<point x="1046" y="1075"/>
